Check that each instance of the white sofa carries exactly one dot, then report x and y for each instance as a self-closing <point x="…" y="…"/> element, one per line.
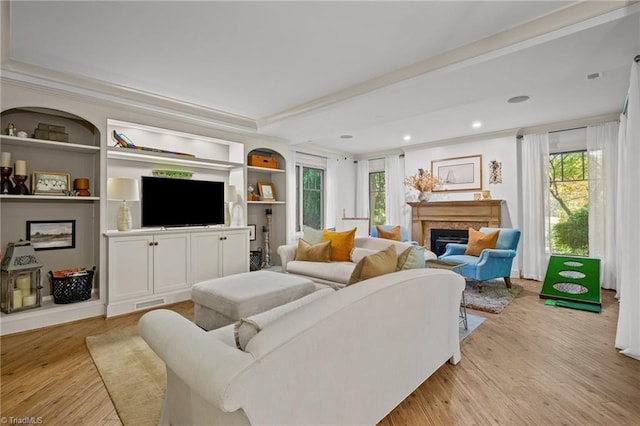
<point x="336" y="274"/>
<point x="346" y="358"/>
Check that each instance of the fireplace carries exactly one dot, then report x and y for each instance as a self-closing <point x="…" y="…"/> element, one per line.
<point x="454" y="215"/>
<point x="441" y="237"/>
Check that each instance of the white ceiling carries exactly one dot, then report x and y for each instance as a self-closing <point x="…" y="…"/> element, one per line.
<point x="309" y="72"/>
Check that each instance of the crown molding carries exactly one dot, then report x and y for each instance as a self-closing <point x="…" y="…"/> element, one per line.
<point x="462" y="139"/>
<point x="569" y="124"/>
<point x="570" y="19"/>
<point x="104" y="91"/>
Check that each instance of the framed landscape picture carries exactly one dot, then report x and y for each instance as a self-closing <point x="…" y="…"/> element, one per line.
<point x="51" y="234"/>
<point x="458" y="174"/>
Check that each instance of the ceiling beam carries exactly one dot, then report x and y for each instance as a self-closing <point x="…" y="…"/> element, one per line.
<point x="535" y="31"/>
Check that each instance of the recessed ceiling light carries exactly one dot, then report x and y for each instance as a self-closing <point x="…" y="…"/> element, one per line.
<point x="518" y="99"/>
<point x="346" y="136"/>
<point x="476" y="124"/>
<point x="406" y="138"/>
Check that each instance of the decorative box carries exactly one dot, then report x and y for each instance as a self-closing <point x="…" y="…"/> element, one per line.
<point x="263" y="161"/>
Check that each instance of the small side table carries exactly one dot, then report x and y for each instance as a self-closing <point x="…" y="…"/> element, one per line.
<point x="455" y="267"/>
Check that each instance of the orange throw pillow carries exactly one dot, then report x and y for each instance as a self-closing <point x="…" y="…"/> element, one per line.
<point x="341" y="243"/>
<point x="393" y="234"/>
<point x="479" y="241"/>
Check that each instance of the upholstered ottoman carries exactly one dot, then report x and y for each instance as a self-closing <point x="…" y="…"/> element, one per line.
<point x="222" y="301"/>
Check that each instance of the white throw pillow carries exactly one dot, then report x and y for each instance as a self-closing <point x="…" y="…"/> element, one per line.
<point x="246" y="328"/>
<point x="358" y="253"/>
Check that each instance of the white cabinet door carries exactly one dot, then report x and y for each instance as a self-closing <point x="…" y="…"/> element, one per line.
<point x="205" y="256"/>
<point x="130" y="267"/>
<point x="170" y="262"/>
<point x="235" y="252"/>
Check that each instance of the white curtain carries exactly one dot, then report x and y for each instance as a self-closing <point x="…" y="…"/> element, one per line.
<point x="602" y="146"/>
<point x="628" y="235"/>
<point x="331" y="192"/>
<point x="535" y="204"/>
<point x="394" y="198"/>
<point x="291" y="198"/>
<point x="362" y="189"/>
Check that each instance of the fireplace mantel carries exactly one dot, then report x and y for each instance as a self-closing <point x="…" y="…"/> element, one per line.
<point x="426" y="215"/>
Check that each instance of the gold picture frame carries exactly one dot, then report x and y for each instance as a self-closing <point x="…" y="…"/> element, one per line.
<point x="50" y="183"/>
<point x="267" y="191"/>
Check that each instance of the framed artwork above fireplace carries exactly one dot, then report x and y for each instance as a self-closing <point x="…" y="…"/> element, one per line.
<point x="458" y="174"/>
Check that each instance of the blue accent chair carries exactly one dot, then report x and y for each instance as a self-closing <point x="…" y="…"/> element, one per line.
<point x="492" y="263"/>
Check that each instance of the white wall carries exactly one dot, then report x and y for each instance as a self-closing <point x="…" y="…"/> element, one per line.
<point x="503" y="149"/>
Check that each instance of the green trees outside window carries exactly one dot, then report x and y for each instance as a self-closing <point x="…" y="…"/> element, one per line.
<point x="377" y="202"/>
<point x="569" y="200"/>
<point x="310" y="189"/>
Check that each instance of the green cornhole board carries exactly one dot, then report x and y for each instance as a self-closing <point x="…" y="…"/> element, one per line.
<point x="574" y="305"/>
<point x="573" y="279"/>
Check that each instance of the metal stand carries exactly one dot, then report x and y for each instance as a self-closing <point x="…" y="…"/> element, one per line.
<point x="267" y="245"/>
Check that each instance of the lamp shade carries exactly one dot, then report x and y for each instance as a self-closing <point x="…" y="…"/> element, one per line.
<point x="231" y="194"/>
<point x="123" y="189"/>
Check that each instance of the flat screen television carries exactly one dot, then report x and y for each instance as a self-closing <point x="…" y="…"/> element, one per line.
<point x="181" y="202"/>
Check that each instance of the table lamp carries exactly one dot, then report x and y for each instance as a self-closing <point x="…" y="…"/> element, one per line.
<point x="123" y="189"/>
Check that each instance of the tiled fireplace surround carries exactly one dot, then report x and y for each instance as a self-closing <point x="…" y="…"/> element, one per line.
<point x="461" y="215"/>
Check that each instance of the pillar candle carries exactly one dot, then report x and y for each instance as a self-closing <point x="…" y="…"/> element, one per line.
<point x="23" y="283"/>
<point x="17" y="299"/>
<point x="29" y="300"/>
<point x="6" y="159"/>
<point x="21" y="168"/>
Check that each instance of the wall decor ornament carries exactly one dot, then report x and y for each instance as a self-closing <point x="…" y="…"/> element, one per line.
<point x="459" y="173"/>
<point x="495" y="172"/>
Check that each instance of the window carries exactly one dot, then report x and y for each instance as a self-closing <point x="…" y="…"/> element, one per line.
<point x="568" y="202"/>
<point x="377" y="202"/>
<point x="310" y="197"/>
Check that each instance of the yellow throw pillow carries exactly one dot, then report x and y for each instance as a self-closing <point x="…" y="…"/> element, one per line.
<point x="380" y="263"/>
<point x="393" y="234"/>
<point x="320" y="252"/>
<point x="479" y="241"/>
<point x="341" y="243"/>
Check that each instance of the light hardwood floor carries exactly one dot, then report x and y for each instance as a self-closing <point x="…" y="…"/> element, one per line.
<point x="531" y="364"/>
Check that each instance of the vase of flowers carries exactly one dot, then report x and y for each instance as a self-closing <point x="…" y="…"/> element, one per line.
<point x="424" y="182"/>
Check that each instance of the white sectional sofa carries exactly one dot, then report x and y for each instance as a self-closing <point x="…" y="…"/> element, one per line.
<point x="347" y="358"/>
<point x="336" y="274"/>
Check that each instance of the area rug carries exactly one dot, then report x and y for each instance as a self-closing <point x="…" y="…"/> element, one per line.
<point x="473" y="321"/>
<point x="132" y="373"/>
<point x="494" y="298"/>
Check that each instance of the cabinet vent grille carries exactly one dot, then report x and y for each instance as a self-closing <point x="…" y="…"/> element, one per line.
<point x="150" y="303"/>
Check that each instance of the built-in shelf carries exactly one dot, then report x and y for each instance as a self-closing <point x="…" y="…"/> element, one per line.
<point x="47" y="197"/>
<point x="168" y="158"/>
<point x="265" y="169"/>
<point x="265" y="202"/>
<point x="45" y="144"/>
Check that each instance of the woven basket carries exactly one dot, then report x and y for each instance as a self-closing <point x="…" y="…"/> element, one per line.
<point x="255" y="260"/>
<point x="75" y="288"/>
